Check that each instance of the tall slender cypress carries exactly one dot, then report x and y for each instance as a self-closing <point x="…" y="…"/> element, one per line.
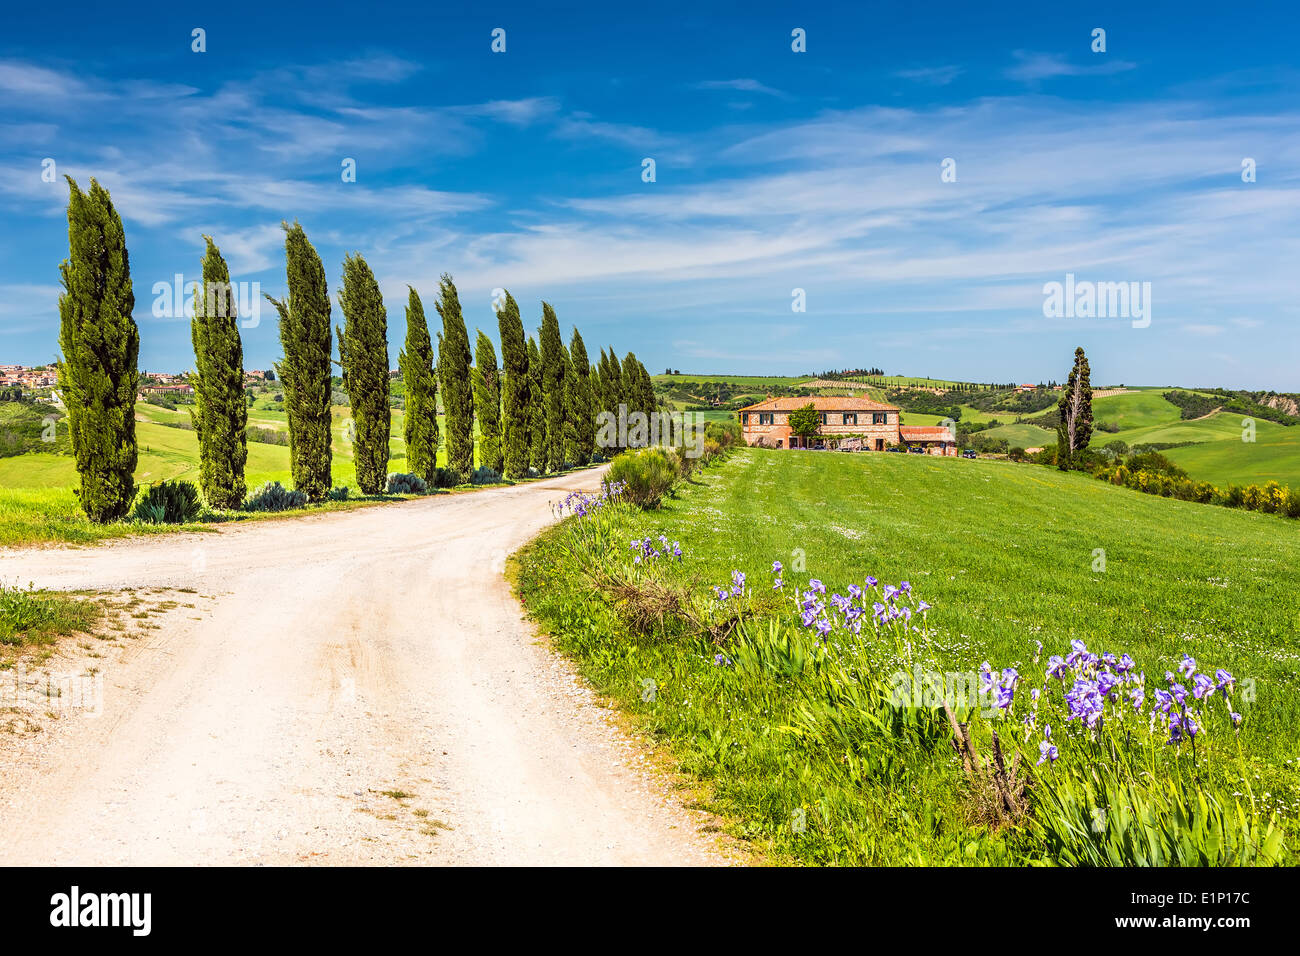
<point x="583" y="409"/>
<point x="1075" y="410"/>
<point x="454" y="378"/>
<point x="98" y="375"/>
<point x="553" y="369"/>
<point x="487" y="403"/>
<point x="305" y="372"/>
<point x="536" y="409"/>
<point x="514" y="361"/>
<point x="570" y="408"/>
<point x="220" y="412"/>
<point x="363" y="353"/>
<point x="617" y="397"/>
<point x="420" y="421"/>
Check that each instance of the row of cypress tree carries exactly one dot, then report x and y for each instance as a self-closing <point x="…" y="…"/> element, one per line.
<point x="536" y="412"/>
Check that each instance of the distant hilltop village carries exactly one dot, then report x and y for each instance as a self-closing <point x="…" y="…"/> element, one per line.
<point x="151" y="383"/>
<point x="42" y="376"/>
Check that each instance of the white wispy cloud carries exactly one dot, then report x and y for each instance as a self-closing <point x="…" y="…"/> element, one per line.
<point x="1032" y="67"/>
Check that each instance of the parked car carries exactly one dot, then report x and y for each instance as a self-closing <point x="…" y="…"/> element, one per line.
<point x="969" y="453"/>
<point x="916" y="450"/>
<point x="895" y="449"/>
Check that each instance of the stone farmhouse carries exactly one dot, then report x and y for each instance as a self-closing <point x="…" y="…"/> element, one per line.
<point x="847" y="424"/>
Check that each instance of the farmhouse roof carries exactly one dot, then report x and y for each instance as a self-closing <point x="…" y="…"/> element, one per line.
<point x="823" y="403"/>
<point x="924" y="433"/>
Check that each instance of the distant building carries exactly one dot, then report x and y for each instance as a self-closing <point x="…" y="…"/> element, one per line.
<point x="847" y="424"/>
<point x="163" y="390"/>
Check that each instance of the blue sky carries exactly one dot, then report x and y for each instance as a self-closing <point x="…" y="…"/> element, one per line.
<point x="775" y="170"/>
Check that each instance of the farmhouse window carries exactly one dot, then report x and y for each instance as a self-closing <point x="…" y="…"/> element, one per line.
<point x="824" y="416"/>
<point x="744" y="418"/>
<point x="880" y="418"/>
<point x="766" y="418"/>
<point x="850" y="418"/>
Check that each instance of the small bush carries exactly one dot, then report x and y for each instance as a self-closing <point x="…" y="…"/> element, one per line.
<point x="533" y="472"/>
<point x="648" y="475"/>
<point x="168" y="502"/>
<point x="486" y="475"/>
<point x="337" y="494"/>
<point x="404" y="483"/>
<point x="273" y="496"/>
<point x="266" y="436"/>
<point x="446" y="478"/>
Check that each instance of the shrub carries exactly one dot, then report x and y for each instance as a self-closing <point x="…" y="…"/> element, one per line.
<point x="266" y="436"/>
<point x="446" y="478"/>
<point x="273" y="496"/>
<point x="1234" y="497"/>
<point x="1153" y="461"/>
<point x="485" y="475"/>
<point x="647" y="475"/>
<point x="1291" y="506"/>
<point x="711" y="450"/>
<point x="168" y="502"/>
<point x="403" y="483"/>
<point x="337" y="494"/>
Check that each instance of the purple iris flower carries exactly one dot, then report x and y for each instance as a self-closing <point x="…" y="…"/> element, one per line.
<point x="1124" y="664"/>
<point x="823" y="627"/>
<point x="1202" y="687"/>
<point x="1187" y="667"/>
<point x="1226" y="682"/>
<point x="855" y="592"/>
<point x="817" y="586"/>
<point x="871" y="582"/>
<point x="778" y="584"/>
<point x="1047" y="751"/>
<point x="1179" y="692"/>
<point x="1085" y="702"/>
<point x="905" y="587"/>
<point x="923" y="607"/>
<point x="777" y="567"/>
<point x="1056" y="667"/>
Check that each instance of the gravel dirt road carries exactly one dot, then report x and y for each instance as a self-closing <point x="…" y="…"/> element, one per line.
<point x="353" y="688"/>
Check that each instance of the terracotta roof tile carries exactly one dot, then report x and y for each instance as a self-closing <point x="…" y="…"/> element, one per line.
<point x="823" y="403"/>
<point x="924" y="433"/>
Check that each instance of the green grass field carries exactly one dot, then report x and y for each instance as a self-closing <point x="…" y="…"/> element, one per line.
<point x="757" y="382"/>
<point x="37" y="503"/>
<point x="1005" y="553"/>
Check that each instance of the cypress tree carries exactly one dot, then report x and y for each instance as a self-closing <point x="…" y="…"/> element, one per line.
<point x="553" y="369"/>
<point x="305" y="371"/>
<point x="487" y="403"/>
<point x="570" y="408"/>
<point x="363" y="353"/>
<point x="100" y="342"/>
<point x="616" y="397"/>
<point x="420" y="424"/>
<point x="584" y="405"/>
<point x="454" y="377"/>
<point x="514" y="359"/>
<point x="536" y="409"/>
<point x="1075" y="408"/>
<point x="220" y="413"/>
